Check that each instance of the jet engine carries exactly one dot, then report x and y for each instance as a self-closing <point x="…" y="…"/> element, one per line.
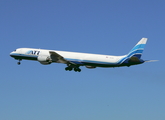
<point x="45" y="60"/>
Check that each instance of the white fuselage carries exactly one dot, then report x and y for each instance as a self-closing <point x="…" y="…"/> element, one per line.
<point x="96" y="60"/>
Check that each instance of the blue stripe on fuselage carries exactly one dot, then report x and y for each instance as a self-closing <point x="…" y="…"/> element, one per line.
<point x="87" y="61"/>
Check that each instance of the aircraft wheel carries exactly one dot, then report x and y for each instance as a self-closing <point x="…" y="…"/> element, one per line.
<point x="77" y="69"/>
<point x="69" y="68"/>
<point x="66" y="69"/>
<point x="18" y="63"/>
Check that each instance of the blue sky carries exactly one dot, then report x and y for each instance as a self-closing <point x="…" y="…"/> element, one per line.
<point x="33" y="91"/>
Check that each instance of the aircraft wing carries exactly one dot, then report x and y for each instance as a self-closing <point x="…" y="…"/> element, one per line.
<point x="58" y="58"/>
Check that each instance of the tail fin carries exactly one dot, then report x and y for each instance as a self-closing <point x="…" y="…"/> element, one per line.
<point x="138" y="49"/>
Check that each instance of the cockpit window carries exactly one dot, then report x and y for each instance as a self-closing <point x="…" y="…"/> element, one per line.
<point x="14" y="50"/>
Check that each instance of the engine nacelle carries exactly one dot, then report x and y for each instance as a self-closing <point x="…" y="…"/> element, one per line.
<point x="45" y="60"/>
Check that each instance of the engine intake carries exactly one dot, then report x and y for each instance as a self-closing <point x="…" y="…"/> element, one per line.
<point x="45" y="60"/>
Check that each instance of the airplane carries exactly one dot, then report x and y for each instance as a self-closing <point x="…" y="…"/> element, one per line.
<point x="74" y="60"/>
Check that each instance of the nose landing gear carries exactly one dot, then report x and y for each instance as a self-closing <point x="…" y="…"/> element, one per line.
<point x="19" y="62"/>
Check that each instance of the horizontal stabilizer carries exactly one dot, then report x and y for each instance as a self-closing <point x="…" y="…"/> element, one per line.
<point x="134" y="59"/>
<point x="151" y="60"/>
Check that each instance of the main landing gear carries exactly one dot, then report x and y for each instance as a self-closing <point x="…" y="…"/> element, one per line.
<point x="76" y="69"/>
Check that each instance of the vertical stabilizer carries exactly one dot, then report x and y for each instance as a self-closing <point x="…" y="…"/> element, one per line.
<point x="137" y="50"/>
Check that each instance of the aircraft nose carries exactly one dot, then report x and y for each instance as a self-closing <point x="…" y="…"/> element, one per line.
<point x="11" y="54"/>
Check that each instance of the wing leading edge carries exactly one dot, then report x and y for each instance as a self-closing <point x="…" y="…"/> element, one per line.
<point x="60" y="59"/>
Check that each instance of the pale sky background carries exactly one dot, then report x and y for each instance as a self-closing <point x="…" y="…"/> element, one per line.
<point x="33" y="91"/>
